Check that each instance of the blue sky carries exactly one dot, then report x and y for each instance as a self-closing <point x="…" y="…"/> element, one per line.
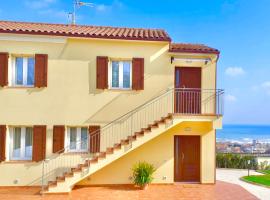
<point x="240" y="29"/>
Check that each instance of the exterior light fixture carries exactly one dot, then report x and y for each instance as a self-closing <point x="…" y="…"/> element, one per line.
<point x="190" y="60"/>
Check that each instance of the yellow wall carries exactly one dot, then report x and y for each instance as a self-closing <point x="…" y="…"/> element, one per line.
<point x="71" y="98"/>
<point x="160" y="152"/>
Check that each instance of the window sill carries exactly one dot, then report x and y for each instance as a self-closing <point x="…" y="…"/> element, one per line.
<point x="18" y="161"/>
<point x="121" y="89"/>
<point x="20" y="87"/>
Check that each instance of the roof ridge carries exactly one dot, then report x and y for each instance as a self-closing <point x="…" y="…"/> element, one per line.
<point x="82" y="25"/>
<point x="187" y="43"/>
<point x="192" y="48"/>
<point x="89" y="31"/>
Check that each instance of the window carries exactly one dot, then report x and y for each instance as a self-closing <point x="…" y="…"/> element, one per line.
<point x="21" y="143"/>
<point x="23" y="71"/>
<point x="120" y="75"/>
<point x="77" y="139"/>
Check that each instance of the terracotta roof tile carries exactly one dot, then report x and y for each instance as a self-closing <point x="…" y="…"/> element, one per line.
<point x="83" y="31"/>
<point x="192" y="48"/>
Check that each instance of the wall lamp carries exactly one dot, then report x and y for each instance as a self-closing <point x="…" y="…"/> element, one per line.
<point x="190" y="60"/>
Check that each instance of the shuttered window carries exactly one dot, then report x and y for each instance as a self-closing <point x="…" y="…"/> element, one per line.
<point x="137" y="73"/>
<point x="102" y="72"/>
<point x="41" y="68"/>
<point x="77" y="139"/>
<point x="23" y="71"/>
<point x="120" y="74"/>
<point x="2" y="143"/>
<point x="21" y="143"/>
<point x="58" y="138"/>
<point x="94" y="132"/>
<point x="3" y="69"/>
<point x="39" y="143"/>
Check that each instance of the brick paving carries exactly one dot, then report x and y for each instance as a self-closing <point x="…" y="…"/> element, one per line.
<point x="219" y="191"/>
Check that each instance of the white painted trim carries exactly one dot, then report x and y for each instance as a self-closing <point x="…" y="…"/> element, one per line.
<point x="32" y="38"/>
<point x="78" y="140"/>
<point x="12" y="71"/>
<point x="22" y="149"/>
<point x="121" y="75"/>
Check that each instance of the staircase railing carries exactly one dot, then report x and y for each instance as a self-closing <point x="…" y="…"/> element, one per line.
<point x="180" y="101"/>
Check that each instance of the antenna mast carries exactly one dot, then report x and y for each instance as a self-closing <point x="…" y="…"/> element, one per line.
<point x="76" y="5"/>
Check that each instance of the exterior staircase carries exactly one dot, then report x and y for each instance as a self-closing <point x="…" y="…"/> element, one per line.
<point x="64" y="170"/>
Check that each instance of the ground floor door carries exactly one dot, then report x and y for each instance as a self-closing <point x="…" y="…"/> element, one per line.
<point x="187" y="82"/>
<point x="187" y="158"/>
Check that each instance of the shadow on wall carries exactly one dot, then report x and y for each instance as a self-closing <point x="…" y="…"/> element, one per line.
<point x="126" y="101"/>
<point x="120" y="171"/>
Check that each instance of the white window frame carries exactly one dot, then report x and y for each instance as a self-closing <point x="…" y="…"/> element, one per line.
<point x="22" y="151"/>
<point x="121" y="74"/>
<point x="78" y="137"/>
<point x="25" y="71"/>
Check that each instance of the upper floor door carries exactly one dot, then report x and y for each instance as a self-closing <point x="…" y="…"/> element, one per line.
<point x="187" y="90"/>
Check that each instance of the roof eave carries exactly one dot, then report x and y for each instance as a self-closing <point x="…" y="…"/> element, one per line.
<point x="217" y="52"/>
<point x="168" y="39"/>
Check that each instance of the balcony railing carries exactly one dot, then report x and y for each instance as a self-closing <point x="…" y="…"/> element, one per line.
<point x="178" y="101"/>
<point x="189" y="101"/>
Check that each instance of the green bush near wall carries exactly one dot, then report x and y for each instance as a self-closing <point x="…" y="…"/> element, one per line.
<point x="235" y="161"/>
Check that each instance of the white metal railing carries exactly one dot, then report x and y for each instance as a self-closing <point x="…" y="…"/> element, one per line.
<point x="180" y="101"/>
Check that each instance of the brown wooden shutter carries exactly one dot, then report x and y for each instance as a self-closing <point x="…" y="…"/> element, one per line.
<point x="138" y="73"/>
<point x="3" y="69"/>
<point x="2" y="143"/>
<point x="94" y="133"/>
<point x="102" y="72"/>
<point x="41" y="67"/>
<point x="39" y="143"/>
<point x="58" y="138"/>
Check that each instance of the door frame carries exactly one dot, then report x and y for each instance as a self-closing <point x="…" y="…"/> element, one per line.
<point x="201" y="84"/>
<point x="175" y="68"/>
<point x="174" y="157"/>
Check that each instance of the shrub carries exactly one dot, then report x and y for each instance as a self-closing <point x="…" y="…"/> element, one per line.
<point x="264" y="165"/>
<point x="143" y="173"/>
<point x="236" y="161"/>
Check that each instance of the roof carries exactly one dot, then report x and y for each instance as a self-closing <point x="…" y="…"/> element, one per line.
<point x="105" y="32"/>
<point x="191" y="48"/>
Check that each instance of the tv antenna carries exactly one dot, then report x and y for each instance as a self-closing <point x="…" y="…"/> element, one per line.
<point x="76" y="5"/>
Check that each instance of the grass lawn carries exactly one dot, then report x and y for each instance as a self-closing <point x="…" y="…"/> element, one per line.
<point x="264" y="171"/>
<point x="259" y="179"/>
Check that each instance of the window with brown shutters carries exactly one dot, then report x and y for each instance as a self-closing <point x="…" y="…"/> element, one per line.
<point x="41" y="68"/>
<point x="138" y="73"/>
<point x="102" y="72"/>
<point x="94" y="132"/>
<point x="39" y="143"/>
<point x="3" y="69"/>
<point x="58" y="138"/>
<point x="2" y="143"/>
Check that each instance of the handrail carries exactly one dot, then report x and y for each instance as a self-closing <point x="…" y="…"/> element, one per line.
<point x="221" y="91"/>
<point x="167" y="102"/>
<point x="123" y="116"/>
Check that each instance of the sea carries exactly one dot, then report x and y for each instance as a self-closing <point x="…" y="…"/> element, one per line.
<point x="244" y="133"/>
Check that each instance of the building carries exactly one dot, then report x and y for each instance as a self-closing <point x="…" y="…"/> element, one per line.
<point x="80" y="105"/>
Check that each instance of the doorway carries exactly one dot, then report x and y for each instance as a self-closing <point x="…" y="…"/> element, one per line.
<point x="187" y="84"/>
<point x="187" y="158"/>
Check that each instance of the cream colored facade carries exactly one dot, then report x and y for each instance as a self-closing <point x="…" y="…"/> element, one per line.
<point x="160" y="152"/>
<point x="71" y="99"/>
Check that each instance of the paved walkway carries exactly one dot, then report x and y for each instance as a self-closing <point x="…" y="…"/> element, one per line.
<point x="233" y="175"/>
<point x="220" y="191"/>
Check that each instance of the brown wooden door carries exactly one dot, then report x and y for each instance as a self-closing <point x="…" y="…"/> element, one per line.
<point x="187" y="90"/>
<point x="187" y="158"/>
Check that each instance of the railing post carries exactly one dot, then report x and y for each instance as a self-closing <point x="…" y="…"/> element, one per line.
<point x="42" y="177"/>
<point x="173" y="91"/>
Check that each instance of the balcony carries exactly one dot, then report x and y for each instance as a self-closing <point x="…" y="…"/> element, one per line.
<point x="198" y="101"/>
